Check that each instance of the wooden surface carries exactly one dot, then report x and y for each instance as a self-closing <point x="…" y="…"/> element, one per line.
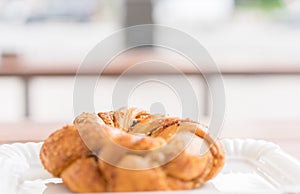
<point x="17" y="66"/>
<point x="288" y="137"/>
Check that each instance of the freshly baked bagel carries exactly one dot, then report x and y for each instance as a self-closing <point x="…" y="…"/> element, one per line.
<point x="132" y="150"/>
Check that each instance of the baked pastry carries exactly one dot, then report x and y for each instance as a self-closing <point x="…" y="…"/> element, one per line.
<point x="132" y="150"/>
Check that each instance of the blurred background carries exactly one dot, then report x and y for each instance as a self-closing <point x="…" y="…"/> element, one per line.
<point x="255" y="43"/>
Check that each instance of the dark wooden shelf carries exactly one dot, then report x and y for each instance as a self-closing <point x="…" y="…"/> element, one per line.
<point x="23" y="68"/>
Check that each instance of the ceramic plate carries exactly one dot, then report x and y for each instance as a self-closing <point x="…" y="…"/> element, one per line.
<point x="252" y="166"/>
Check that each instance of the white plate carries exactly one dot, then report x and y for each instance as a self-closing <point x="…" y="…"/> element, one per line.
<point x="251" y="166"/>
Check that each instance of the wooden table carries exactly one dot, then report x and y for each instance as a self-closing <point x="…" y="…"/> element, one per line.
<point x="287" y="138"/>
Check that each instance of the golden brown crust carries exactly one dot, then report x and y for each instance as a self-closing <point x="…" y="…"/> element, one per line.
<point x="217" y="150"/>
<point x="64" y="153"/>
<point x="131" y="141"/>
<point x="87" y="168"/>
<point x="187" y="167"/>
<point x="168" y="129"/>
<point x="108" y="118"/>
<point x="177" y="184"/>
<point x="133" y="180"/>
<point x="61" y="148"/>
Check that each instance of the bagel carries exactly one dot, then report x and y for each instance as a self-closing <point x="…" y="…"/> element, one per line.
<point x="132" y="150"/>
